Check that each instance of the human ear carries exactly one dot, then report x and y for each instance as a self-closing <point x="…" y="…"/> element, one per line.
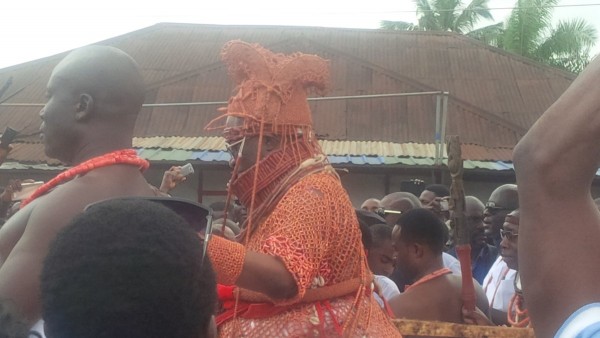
<point x="418" y="250"/>
<point x="85" y="107"/>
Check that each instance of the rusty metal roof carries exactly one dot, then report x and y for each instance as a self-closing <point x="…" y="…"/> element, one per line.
<point x="494" y="96"/>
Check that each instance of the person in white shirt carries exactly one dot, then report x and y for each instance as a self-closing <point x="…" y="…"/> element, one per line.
<point x="498" y="284"/>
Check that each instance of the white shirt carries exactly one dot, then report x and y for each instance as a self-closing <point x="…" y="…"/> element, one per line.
<point x="387" y="288"/>
<point x="38" y="328"/>
<point x="499" y="286"/>
<point x="451" y="263"/>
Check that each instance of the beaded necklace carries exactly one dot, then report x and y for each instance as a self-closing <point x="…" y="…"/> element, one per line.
<point x="426" y="278"/>
<point x="123" y="156"/>
<point x="517" y="314"/>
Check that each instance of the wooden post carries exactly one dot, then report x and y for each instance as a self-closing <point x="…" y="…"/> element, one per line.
<point x="457" y="208"/>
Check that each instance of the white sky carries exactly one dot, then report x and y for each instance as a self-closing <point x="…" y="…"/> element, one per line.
<point x="32" y="29"/>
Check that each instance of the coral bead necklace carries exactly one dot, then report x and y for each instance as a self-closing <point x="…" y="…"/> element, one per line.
<point x="123" y="156"/>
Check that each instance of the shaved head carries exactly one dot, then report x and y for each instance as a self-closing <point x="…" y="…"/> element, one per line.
<point x="399" y="201"/>
<point x="94" y="95"/>
<point x="106" y="73"/>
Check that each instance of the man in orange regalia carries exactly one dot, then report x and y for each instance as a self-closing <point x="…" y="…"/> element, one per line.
<point x="299" y="269"/>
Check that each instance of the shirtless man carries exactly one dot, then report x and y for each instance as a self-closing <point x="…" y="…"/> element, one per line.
<point x="94" y="96"/>
<point x="556" y="162"/>
<point x="434" y="293"/>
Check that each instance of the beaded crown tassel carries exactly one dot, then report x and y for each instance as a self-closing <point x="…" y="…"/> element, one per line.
<point x="270" y="99"/>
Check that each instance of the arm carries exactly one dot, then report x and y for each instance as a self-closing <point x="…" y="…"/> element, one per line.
<point x="555" y="164"/>
<point x="289" y="260"/>
<point x="171" y="178"/>
<point x="254" y="271"/>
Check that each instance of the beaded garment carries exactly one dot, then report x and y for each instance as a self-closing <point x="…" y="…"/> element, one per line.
<point x="297" y="211"/>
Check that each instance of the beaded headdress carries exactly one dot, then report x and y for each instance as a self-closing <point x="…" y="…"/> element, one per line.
<point x="271" y="89"/>
<point x="270" y="98"/>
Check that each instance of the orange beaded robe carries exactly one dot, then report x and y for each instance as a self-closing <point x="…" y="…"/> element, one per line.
<point x="314" y="231"/>
<point x="298" y="210"/>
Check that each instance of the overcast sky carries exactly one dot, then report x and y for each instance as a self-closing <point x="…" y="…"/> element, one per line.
<point x="32" y="29"/>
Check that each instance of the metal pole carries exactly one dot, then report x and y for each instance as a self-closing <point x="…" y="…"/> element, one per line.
<point x="437" y="141"/>
<point x="443" y="126"/>
<point x="214" y="103"/>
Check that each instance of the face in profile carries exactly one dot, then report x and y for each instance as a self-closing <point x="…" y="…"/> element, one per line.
<point x="382" y="259"/>
<point x="509" y="246"/>
<point x="371" y="205"/>
<point x="58" y="128"/>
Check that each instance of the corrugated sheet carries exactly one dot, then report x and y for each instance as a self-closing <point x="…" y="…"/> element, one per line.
<point x="352" y="148"/>
<point x="495" y="96"/>
<point x="222" y="156"/>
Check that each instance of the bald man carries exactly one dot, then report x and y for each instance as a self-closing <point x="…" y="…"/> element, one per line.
<point x="94" y="96"/>
<point x="371" y="204"/>
<point x="483" y="255"/>
<point x="398" y="201"/>
<point x="498" y="283"/>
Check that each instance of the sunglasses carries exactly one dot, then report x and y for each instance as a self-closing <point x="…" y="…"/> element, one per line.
<point x="491" y="206"/>
<point x="509" y="235"/>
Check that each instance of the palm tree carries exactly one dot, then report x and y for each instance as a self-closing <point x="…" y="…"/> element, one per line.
<point x="529" y="32"/>
<point x="444" y="15"/>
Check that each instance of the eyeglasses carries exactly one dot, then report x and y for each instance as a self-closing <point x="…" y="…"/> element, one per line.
<point x="493" y="209"/>
<point x="235" y="148"/>
<point x="508" y="234"/>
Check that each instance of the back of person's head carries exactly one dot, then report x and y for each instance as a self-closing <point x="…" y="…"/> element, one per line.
<point x="366" y="237"/>
<point x="439" y="190"/>
<point x="368" y="217"/>
<point x="390" y="200"/>
<point x="229" y="224"/>
<point x="423" y="227"/>
<point x="127" y="268"/>
<point x="110" y="76"/>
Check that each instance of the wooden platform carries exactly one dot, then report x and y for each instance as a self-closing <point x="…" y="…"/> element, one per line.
<point x="418" y="328"/>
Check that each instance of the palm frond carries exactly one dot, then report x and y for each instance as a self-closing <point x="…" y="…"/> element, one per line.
<point x="526" y="26"/>
<point x="568" y="45"/>
<point x="471" y="15"/>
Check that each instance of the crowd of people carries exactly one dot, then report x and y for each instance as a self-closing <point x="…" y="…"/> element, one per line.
<point x="98" y="252"/>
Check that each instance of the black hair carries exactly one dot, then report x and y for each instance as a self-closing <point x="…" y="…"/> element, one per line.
<point x="368" y="217"/>
<point x="424" y="227"/>
<point x="127" y="268"/>
<point x="366" y="238"/>
<point x="380" y="233"/>
<point x="439" y="190"/>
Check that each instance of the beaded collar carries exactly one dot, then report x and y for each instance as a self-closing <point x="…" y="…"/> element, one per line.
<point x="123" y="156"/>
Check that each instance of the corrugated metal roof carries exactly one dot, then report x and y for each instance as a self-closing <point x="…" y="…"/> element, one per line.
<point x="223" y="156"/>
<point x="494" y="96"/>
<point x="352" y="148"/>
